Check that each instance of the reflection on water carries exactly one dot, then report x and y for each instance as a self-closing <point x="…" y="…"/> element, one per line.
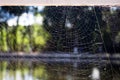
<point x="46" y="71"/>
<point x="95" y="74"/>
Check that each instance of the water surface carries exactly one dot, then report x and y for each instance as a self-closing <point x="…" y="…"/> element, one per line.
<point x="19" y="70"/>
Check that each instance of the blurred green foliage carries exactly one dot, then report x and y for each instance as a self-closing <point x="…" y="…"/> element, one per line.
<point x="40" y="72"/>
<point x="3" y="38"/>
<point x="39" y="36"/>
<point x="23" y="38"/>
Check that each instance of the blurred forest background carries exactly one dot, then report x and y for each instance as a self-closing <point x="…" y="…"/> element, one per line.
<point x="59" y="28"/>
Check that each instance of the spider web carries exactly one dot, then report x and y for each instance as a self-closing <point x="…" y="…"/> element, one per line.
<point x="82" y="41"/>
<point x="84" y="33"/>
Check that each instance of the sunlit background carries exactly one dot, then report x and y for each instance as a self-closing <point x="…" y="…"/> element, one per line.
<point x="63" y="29"/>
